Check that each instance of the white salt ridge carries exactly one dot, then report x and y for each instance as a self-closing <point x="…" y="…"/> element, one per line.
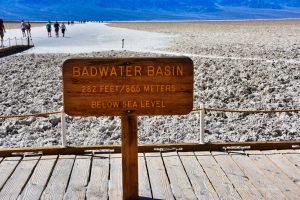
<point x="91" y="37"/>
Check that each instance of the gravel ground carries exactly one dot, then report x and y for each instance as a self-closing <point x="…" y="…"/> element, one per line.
<point x="32" y="83"/>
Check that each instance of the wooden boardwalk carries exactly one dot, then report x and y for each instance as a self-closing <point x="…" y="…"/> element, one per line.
<point x="169" y="175"/>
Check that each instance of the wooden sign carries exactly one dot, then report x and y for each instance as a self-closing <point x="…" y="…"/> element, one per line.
<point x="128" y="87"/>
<point x="122" y="86"/>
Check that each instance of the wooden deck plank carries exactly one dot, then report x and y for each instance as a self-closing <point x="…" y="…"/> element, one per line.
<point x="179" y="181"/>
<point x="218" y="178"/>
<point x="18" y="179"/>
<point x="98" y="185"/>
<point x="279" y="179"/>
<point x="7" y="166"/>
<point x="241" y="182"/>
<point x="257" y="177"/>
<point x="200" y="182"/>
<point x="144" y="185"/>
<point x="39" y="178"/>
<point x="158" y="178"/>
<point x="79" y="178"/>
<point x="58" y="182"/>
<point x="285" y="165"/>
<point x="115" y="181"/>
<point x="292" y="155"/>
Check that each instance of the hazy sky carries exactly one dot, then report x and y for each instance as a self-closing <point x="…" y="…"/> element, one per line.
<point x="148" y="9"/>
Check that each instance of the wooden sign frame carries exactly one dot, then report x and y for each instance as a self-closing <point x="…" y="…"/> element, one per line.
<point x="114" y="86"/>
<point x="138" y="86"/>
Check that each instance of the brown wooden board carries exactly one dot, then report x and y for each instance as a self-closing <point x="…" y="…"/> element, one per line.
<point x="98" y="185"/>
<point x="180" y="184"/>
<point x="218" y="178"/>
<point x="55" y="150"/>
<point x="121" y="86"/>
<point x="39" y="178"/>
<point x="158" y="178"/>
<point x="144" y="185"/>
<point x="264" y="185"/>
<point x="115" y="181"/>
<point x="129" y="157"/>
<point x="58" y="182"/>
<point x="239" y="180"/>
<point x="200" y="182"/>
<point x="79" y="178"/>
<point x="278" y="177"/>
<point x="7" y="166"/>
<point x="293" y="156"/>
<point x="285" y="165"/>
<point x="18" y="179"/>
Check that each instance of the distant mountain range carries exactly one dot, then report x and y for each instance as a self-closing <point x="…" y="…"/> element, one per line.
<point x="119" y="10"/>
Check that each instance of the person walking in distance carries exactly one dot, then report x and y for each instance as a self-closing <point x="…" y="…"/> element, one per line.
<point x="63" y="29"/>
<point x="23" y="28"/>
<point x="2" y="31"/>
<point x="48" y="27"/>
<point x="28" y="29"/>
<point x="56" y="28"/>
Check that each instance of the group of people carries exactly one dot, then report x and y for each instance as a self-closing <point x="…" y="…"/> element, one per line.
<point x="56" y="26"/>
<point x="2" y="31"/>
<point x="26" y="27"/>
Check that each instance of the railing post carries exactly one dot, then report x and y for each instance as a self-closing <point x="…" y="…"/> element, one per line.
<point x="202" y="123"/>
<point x="63" y="129"/>
<point x="123" y="40"/>
<point x="28" y="41"/>
<point x="16" y="41"/>
<point x="9" y="42"/>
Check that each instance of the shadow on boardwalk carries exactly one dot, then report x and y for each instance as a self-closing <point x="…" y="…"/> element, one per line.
<point x="13" y="50"/>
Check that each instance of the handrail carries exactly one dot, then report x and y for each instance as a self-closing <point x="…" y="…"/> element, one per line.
<point x="28" y="42"/>
<point x="43" y="114"/>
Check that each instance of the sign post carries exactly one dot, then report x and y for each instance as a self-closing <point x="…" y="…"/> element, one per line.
<point x="129" y="157"/>
<point x="128" y="87"/>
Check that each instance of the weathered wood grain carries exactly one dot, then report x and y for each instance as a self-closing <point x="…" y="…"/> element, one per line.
<point x="200" y="182"/>
<point x="18" y="179"/>
<point x="129" y="158"/>
<point x="179" y="181"/>
<point x="59" y="179"/>
<point x="218" y="178"/>
<point x="98" y="186"/>
<point x="257" y="177"/>
<point x="285" y="165"/>
<point x="240" y="181"/>
<point x="144" y="185"/>
<point x="217" y="146"/>
<point x="293" y="156"/>
<point x="273" y="173"/>
<point x="112" y="86"/>
<point x="158" y="178"/>
<point x="7" y="167"/>
<point x="79" y="178"/>
<point x="115" y="181"/>
<point x="39" y="178"/>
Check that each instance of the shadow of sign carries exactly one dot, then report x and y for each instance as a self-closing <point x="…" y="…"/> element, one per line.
<point x="13" y="50"/>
